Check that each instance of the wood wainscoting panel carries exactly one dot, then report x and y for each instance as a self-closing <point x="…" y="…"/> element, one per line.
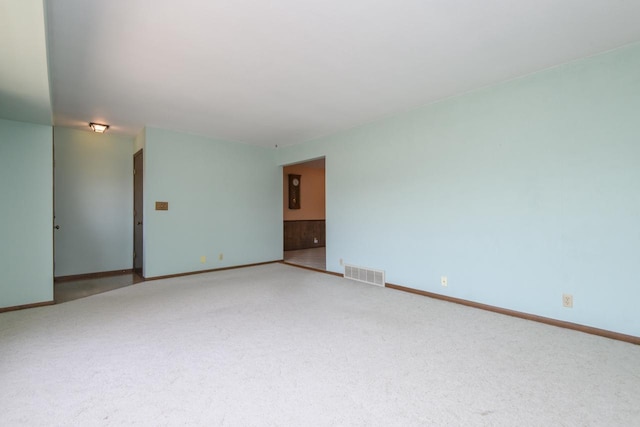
<point x="301" y="234"/>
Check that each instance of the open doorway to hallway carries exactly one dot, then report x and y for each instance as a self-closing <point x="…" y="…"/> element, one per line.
<point x="304" y="214"/>
<point x="93" y="210"/>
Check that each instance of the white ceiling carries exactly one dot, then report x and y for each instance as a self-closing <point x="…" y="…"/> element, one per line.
<point x="287" y="71"/>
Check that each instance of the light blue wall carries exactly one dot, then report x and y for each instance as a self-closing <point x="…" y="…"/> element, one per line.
<point x="25" y="94"/>
<point x="93" y="202"/>
<point x="223" y="198"/>
<point x="139" y="141"/>
<point x="26" y="228"/>
<point x="518" y="193"/>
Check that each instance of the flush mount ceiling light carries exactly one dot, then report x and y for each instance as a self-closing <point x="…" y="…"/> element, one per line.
<point x="97" y="127"/>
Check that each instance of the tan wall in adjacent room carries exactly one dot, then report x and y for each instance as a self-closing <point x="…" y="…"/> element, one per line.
<point x="311" y="193"/>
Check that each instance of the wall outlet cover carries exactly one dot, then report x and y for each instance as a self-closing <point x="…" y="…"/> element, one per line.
<point x="567" y="300"/>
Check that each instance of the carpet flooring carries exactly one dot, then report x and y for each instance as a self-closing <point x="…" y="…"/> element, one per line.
<point x="276" y="345"/>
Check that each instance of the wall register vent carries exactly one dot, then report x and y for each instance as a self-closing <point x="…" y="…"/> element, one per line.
<point x="366" y="275"/>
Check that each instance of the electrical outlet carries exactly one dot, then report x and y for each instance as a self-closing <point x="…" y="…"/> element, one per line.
<point x="444" y="281"/>
<point x="203" y="259"/>
<point x="162" y="206"/>
<point x="221" y="256"/>
<point x="567" y="300"/>
<point x="341" y="261"/>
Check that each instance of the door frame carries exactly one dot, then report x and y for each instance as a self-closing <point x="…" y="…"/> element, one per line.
<point x="138" y="214"/>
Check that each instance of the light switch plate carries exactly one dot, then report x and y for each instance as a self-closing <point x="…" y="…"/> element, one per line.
<point x="162" y="206"/>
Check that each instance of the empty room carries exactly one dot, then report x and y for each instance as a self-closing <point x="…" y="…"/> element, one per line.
<point x="287" y="213"/>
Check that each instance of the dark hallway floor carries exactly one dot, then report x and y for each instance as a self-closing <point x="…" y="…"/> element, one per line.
<point x="69" y="290"/>
<point x="314" y="257"/>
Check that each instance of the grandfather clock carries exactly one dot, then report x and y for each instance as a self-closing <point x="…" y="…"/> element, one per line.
<point x="294" y="191"/>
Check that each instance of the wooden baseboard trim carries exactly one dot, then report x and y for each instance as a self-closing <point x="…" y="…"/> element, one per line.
<point x="559" y="323"/>
<point x="92" y="275"/>
<point x="191" y="273"/>
<point x="25" y="306"/>
<point x="311" y="268"/>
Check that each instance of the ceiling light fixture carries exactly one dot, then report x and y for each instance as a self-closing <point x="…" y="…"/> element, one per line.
<point x="97" y="127"/>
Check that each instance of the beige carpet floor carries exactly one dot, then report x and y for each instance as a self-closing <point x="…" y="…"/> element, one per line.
<point x="277" y="345"/>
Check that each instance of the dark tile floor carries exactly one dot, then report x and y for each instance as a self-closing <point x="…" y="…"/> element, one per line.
<point x="314" y="258"/>
<point x="69" y="290"/>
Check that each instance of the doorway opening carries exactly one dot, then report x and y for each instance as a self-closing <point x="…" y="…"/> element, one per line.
<point x="138" y="191"/>
<point x="304" y="214"/>
<point x="93" y="209"/>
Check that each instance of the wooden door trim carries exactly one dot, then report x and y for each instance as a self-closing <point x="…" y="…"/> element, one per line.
<point x="137" y="215"/>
